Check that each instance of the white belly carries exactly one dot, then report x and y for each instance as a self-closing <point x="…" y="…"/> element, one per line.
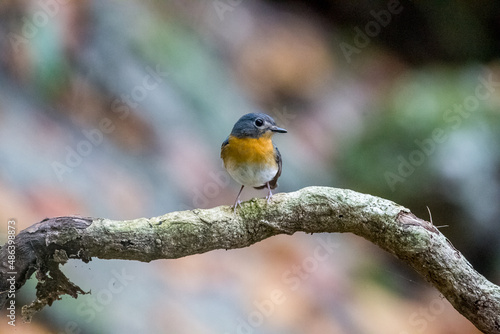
<point x="253" y="175"/>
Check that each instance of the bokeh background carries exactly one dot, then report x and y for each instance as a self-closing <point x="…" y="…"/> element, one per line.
<point x="117" y="109"/>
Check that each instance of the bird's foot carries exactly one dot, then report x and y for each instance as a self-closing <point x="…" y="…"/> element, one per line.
<point x="236" y="204"/>
<point x="269" y="196"/>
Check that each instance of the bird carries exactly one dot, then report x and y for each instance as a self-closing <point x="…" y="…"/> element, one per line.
<point x="249" y="154"/>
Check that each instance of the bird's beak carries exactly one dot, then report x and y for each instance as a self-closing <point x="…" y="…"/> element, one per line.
<point x="277" y="129"/>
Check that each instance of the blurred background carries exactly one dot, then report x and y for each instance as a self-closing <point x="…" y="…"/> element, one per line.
<point x="117" y="109"/>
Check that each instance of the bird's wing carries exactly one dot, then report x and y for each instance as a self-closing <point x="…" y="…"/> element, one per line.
<point x="224" y="143"/>
<point x="274" y="182"/>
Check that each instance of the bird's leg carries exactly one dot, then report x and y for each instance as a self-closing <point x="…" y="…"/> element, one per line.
<point x="238" y="202"/>
<point x="270" y="194"/>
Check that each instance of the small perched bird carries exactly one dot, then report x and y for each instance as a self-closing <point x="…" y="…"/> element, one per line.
<point x="250" y="156"/>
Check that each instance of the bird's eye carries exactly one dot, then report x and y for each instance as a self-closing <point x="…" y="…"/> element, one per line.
<point x="259" y="122"/>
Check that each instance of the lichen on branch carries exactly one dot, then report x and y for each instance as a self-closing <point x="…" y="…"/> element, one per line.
<point x="44" y="246"/>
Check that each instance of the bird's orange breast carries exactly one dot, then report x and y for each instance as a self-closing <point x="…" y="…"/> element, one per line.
<point x="249" y="150"/>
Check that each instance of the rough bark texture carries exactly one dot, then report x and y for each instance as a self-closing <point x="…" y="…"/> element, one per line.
<point x="43" y="246"/>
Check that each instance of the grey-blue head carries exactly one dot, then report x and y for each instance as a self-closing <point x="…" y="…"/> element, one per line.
<point x="255" y="125"/>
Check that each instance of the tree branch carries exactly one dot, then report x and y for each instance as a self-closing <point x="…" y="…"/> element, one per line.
<point x="45" y="245"/>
